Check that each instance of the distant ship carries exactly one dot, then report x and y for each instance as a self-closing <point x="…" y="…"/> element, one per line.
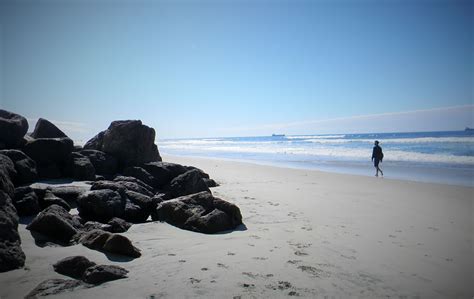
<point x="278" y="135"/>
<point x="469" y="129"/>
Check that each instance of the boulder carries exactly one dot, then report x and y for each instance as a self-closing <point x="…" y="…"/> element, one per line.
<point x="119" y="244"/>
<point x="73" y="266"/>
<point x="101" y="273"/>
<point x="80" y="168"/>
<point x="199" y="212"/>
<point x="12" y="128"/>
<point x="121" y="186"/>
<point x="7" y="171"/>
<point x="94" y="239"/>
<point x="26" y="201"/>
<point x="134" y="213"/>
<point x="46" y="129"/>
<point x="54" y="222"/>
<point x="164" y="172"/>
<point x="131" y="142"/>
<point x="56" y="286"/>
<point x="107" y="242"/>
<point x="104" y="164"/>
<point x="69" y="193"/>
<point x="187" y="183"/>
<point x="101" y="205"/>
<point x="50" y="199"/>
<point x="50" y="155"/>
<point x="11" y="254"/>
<point x="24" y="166"/>
<point x="138" y="207"/>
<point x="118" y="225"/>
<point x="141" y="174"/>
<point x="210" y="183"/>
<point x="149" y="189"/>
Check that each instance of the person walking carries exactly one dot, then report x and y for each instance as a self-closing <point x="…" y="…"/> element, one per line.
<point x="377" y="157"/>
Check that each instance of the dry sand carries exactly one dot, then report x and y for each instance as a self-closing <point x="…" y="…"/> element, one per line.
<point x="308" y="234"/>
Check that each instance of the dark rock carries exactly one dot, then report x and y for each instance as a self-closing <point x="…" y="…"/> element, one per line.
<point x="102" y="273"/>
<point x="203" y="174"/>
<point x="134" y="213"/>
<point x="119" y="244"/>
<point x="118" y="225"/>
<point x="131" y="142"/>
<point x="55" y="286"/>
<point x="46" y="129"/>
<point x="7" y="171"/>
<point x="50" y="199"/>
<point x="54" y="222"/>
<point x="121" y="186"/>
<point x="80" y="168"/>
<point x="12" y="128"/>
<point x="26" y="201"/>
<point x="69" y="193"/>
<point x="141" y="174"/>
<point x="187" y="183"/>
<point x="73" y="266"/>
<point x="50" y="155"/>
<point x="24" y="166"/>
<point x="95" y="239"/>
<point x="149" y="189"/>
<point x="199" y="212"/>
<point x="101" y="205"/>
<point x="210" y="183"/>
<point x="92" y="225"/>
<point x="164" y="172"/>
<point x="160" y="197"/>
<point x="104" y="164"/>
<point x="138" y="207"/>
<point x="96" y="142"/>
<point x="11" y="254"/>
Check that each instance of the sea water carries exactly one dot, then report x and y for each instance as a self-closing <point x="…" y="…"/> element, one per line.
<point x="439" y="157"/>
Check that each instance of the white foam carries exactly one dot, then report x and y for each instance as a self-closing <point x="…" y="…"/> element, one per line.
<point x="332" y="153"/>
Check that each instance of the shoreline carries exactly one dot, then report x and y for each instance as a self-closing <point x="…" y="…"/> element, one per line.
<point x="308" y="234"/>
<point x="418" y="174"/>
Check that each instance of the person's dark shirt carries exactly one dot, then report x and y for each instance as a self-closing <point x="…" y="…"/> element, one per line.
<point x="377" y="153"/>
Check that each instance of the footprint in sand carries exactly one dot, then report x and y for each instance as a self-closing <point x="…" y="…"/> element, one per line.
<point x="255" y="237"/>
<point x="182" y="261"/>
<point x="433" y="228"/>
<point x="204" y="269"/>
<point x="194" y="280"/>
<point x="260" y="258"/>
<point x="220" y="265"/>
<point x="349" y="257"/>
<point x="230" y="253"/>
<point x="300" y="253"/>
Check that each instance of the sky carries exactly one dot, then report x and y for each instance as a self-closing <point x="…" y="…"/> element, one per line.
<point x="239" y="68"/>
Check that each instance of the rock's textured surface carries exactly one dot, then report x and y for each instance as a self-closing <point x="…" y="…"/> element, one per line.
<point x="11" y="254"/>
<point x="73" y="266"/>
<point x="187" y="183"/>
<point x="46" y="129"/>
<point x="55" y="286"/>
<point x="199" y="212"/>
<point x="104" y="164"/>
<point x="54" y="222"/>
<point x="102" y="273"/>
<point x="101" y="205"/>
<point x="26" y="201"/>
<point x="24" y="166"/>
<point x="164" y="172"/>
<point x="12" y="128"/>
<point x="131" y="142"/>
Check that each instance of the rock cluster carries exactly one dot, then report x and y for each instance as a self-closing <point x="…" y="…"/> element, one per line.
<point x="127" y="182"/>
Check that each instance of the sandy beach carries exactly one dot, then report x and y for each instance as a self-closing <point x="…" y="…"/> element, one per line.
<point x="307" y="233"/>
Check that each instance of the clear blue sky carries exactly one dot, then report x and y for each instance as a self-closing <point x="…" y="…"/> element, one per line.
<point x="230" y="68"/>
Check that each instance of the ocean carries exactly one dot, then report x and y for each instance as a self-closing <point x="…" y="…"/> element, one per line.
<point x="437" y="157"/>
